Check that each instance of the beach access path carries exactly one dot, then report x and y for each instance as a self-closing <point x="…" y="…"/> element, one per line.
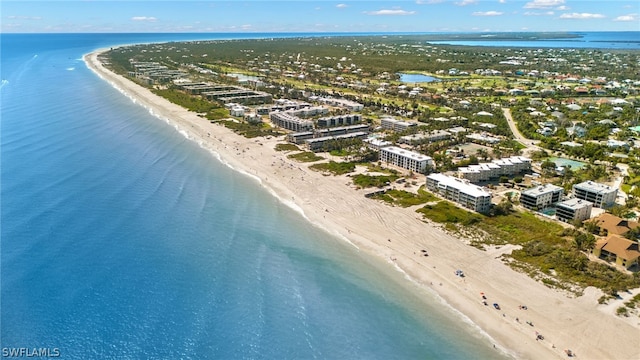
<point x="395" y="237"/>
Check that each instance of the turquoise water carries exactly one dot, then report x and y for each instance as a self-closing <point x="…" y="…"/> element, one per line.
<point x="121" y="239"/>
<point x="628" y="40"/>
<point x="417" y="78"/>
<point x="573" y="164"/>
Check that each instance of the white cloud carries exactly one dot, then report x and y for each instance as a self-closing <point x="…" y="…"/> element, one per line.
<point x="502" y="1"/>
<point x="246" y="26"/>
<point x="342" y="6"/>
<point x="487" y="13"/>
<point x="543" y="4"/>
<point x="466" y="2"/>
<point x="630" y="17"/>
<point x="581" y="16"/>
<point x="421" y="2"/>
<point x="14" y="17"/>
<point x="390" y="12"/>
<point x="535" y="13"/>
<point x="562" y="8"/>
<point x="143" y="18"/>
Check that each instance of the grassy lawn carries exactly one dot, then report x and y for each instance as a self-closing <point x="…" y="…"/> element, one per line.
<point x="286" y="147"/>
<point x="305" y="156"/>
<point x="336" y="168"/>
<point x="365" y="181"/>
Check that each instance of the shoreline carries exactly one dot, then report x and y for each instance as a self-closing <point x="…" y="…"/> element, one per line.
<point x="396" y="236"/>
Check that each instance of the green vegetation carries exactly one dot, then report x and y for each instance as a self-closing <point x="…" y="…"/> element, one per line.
<point x="518" y="228"/>
<point x="336" y="168"/>
<point x="249" y="130"/>
<point x="622" y="311"/>
<point x="380" y="169"/>
<point x="192" y="103"/>
<point x="445" y="212"/>
<point x="305" y="156"/>
<point x="286" y="147"/>
<point x="404" y="198"/>
<point x="548" y="252"/>
<point x="365" y="181"/>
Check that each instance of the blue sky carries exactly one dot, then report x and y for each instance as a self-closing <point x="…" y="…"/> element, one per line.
<point x="18" y="16"/>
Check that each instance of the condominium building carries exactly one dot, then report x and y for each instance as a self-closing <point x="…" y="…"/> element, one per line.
<point x="376" y="144"/>
<point x="410" y="160"/>
<point x="344" y="103"/>
<point x="601" y="195"/>
<point x="389" y="123"/>
<point x="460" y="191"/>
<point x="321" y="143"/>
<point x="339" y="120"/>
<point x="573" y="209"/>
<point x="541" y="197"/>
<point x="290" y="122"/>
<point x="486" y="171"/>
<point x="342" y="130"/>
<point x="416" y="139"/>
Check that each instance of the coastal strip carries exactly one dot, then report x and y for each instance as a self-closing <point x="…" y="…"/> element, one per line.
<point x="397" y="236"/>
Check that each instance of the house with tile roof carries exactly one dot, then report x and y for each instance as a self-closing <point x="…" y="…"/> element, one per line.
<point x="616" y="248"/>
<point x="609" y="224"/>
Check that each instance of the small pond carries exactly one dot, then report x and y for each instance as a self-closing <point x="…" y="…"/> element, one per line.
<point x="417" y="78"/>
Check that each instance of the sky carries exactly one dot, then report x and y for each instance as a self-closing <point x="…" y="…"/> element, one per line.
<point x="91" y="16"/>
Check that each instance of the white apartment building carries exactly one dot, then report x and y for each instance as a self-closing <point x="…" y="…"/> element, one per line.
<point x="493" y="170"/>
<point x="601" y="195"/>
<point x="290" y="122"/>
<point x="573" y="209"/>
<point x="460" y="191"/>
<point x="406" y="159"/>
<point x="389" y="123"/>
<point x="541" y="197"/>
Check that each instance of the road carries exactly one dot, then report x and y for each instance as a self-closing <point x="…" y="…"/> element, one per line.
<point x="531" y="145"/>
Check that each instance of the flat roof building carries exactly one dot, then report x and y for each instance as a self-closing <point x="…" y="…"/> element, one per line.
<point x="541" y="197"/>
<point x="573" y="210"/>
<point x="320" y="143"/>
<point x="601" y="195"/>
<point x="376" y="144"/>
<point x="290" y="122"/>
<point x="486" y="171"/>
<point x="460" y="191"/>
<point x="390" y="123"/>
<point x="339" y="120"/>
<point x="406" y="159"/>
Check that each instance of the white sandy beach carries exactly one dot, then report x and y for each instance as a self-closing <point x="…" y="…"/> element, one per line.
<point x="396" y="236"/>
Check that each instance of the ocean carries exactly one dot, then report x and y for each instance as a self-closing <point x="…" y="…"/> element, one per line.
<point x="122" y="239"/>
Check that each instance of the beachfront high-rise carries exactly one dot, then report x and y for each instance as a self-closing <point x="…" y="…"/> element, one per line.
<point x="460" y="191"/>
<point x="406" y="159"/>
